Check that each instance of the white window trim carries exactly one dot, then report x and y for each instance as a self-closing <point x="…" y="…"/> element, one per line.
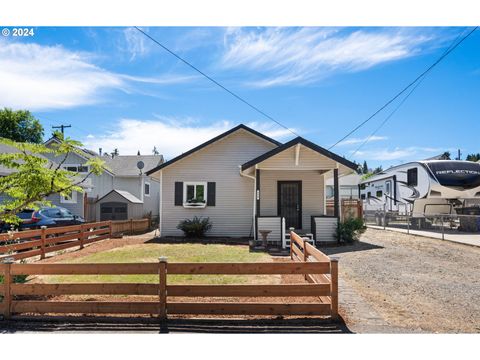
<point x="194" y="183"/>
<point x="73" y="200"/>
<point x="149" y="188"/>
<point x="64" y="166"/>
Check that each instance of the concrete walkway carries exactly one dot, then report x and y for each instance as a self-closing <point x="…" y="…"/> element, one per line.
<point x="467" y="239"/>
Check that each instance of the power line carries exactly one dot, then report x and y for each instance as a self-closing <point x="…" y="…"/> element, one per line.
<point x="405" y="88"/>
<point x="403" y="101"/>
<point x="388" y="117"/>
<point x="215" y="81"/>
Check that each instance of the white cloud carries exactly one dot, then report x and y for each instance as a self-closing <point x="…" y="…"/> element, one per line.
<point x="40" y="77"/>
<point x="171" y="136"/>
<point x="136" y="44"/>
<point x="299" y="56"/>
<point x="354" y="141"/>
<point x="408" y="153"/>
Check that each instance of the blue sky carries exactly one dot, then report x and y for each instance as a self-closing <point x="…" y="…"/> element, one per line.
<point x="120" y="90"/>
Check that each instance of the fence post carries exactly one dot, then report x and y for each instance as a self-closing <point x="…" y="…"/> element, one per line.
<point x="110" y="229"/>
<point x="82" y="236"/>
<point x="7" y="281"/>
<point x="334" y="286"/>
<point x="384" y="219"/>
<point x="305" y="255"/>
<point x="443" y="228"/>
<point x="291" y="246"/>
<point x="131" y="226"/>
<point x="43" y="240"/>
<point x="162" y="287"/>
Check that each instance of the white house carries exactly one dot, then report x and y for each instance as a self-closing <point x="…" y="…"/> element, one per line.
<point x="245" y="181"/>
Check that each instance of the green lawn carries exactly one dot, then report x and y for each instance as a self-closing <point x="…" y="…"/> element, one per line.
<point x="175" y="253"/>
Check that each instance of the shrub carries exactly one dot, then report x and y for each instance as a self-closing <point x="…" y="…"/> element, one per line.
<point x="196" y="227"/>
<point x="350" y="230"/>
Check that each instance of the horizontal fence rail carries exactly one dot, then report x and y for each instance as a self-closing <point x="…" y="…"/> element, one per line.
<point x="26" y="244"/>
<point x="319" y="271"/>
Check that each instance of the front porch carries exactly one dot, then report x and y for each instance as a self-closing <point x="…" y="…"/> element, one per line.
<point x="289" y="192"/>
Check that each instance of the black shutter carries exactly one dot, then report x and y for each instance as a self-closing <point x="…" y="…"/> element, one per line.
<point x="211" y="194"/>
<point x="178" y="193"/>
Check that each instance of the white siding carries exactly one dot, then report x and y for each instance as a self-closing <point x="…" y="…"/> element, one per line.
<point x="312" y="192"/>
<point x="325" y="228"/>
<point x="218" y="162"/>
<point x="308" y="159"/>
<point x="274" y="224"/>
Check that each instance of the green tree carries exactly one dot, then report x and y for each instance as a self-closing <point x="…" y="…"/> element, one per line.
<point x="20" y="126"/>
<point x="34" y="177"/>
<point x="377" y="170"/>
<point x="365" y="167"/>
<point x="473" y="157"/>
<point x="445" y="155"/>
<point x="155" y="151"/>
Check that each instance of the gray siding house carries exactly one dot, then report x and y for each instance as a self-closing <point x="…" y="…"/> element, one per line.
<point x="120" y="174"/>
<point x="245" y="181"/>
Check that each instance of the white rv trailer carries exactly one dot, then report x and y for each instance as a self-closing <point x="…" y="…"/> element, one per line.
<point x="420" y="188"/>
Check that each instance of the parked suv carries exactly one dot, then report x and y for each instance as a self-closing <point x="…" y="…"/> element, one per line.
<point x="45" y="216"/>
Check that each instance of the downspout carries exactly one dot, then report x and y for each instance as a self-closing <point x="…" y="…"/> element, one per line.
<point x="254" y="199"/>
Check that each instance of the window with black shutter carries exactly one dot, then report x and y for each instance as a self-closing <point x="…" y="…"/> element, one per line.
<point x="211" y="193"/>
<point x="178" y="193"/>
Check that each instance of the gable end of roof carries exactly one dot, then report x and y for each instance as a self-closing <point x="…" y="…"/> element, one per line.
<point x="211" y="141"/>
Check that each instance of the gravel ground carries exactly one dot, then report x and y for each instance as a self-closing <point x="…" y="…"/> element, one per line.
<point x="409" y="284"/>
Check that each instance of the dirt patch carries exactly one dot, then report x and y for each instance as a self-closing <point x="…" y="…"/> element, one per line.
<point x="414" y="283"/>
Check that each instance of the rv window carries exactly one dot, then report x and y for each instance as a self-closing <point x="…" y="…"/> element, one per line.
<point x="369" y="194"/>
<point x="362" y="196"/>
<point x="379" y="193"/>
<point x="362" y="186"/>
<point x="387" y="190"/>
<point x="412" y="177"/>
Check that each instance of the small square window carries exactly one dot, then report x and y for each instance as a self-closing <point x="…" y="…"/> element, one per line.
<point x="195" y="194"/>
<point x="147" y="189"/>
<point x="69" y="199"/>
<point x="379" y="193"/>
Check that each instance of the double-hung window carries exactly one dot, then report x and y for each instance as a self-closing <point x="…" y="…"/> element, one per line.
<point x="194" y="194"/>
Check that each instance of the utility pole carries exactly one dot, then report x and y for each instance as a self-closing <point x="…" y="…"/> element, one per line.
<point x="459" y="157"/>
<point x="61" y="127"/>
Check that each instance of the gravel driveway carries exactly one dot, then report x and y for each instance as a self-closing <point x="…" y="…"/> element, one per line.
<point x="393" y="282"/>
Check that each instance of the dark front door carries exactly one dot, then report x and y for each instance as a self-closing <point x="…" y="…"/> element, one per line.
<point x="290" y="203"/>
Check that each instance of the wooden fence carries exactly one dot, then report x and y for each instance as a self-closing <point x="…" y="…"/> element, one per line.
<point x="323" y="288"/>
<point x="302" y="251"/>
<point x="350" y="208"/>
<point x="25" y="244"/>
<point x="130" y="226"/>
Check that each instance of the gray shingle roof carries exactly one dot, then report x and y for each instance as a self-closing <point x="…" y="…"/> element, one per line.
<point x="126" y="165"/>
<point x="4" y="149"/>
<point x="128" y="196"/>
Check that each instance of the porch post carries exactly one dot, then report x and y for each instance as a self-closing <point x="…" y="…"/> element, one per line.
<point x="336" y="197"/>
<point x="257" y="192"/>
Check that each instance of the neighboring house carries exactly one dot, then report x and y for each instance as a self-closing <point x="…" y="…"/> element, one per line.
<point x="139" y="193"/>
<point x="133" y="187"/>
<point x="55" y="199"/>
<point x="348" y="188"/>
<point x="245" y="181"/>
